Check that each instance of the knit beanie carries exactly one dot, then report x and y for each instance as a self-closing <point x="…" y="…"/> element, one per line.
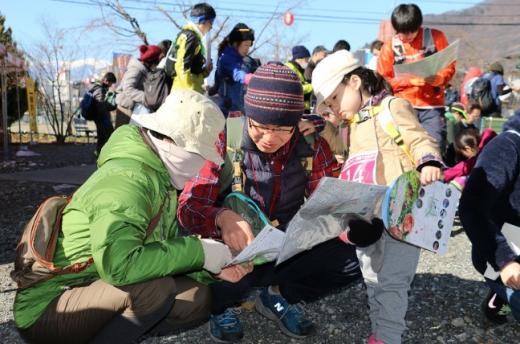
<point x="149" y="53"/>
<point x="274" y="96"/>
<point x="299" y="52"/>
<point x="496" y="67"/>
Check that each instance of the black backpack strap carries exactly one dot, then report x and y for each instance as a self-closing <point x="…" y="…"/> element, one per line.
<point x="428" y="42"/>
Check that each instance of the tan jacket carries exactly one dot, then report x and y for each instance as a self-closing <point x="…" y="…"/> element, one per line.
<point x="391" y="160"/>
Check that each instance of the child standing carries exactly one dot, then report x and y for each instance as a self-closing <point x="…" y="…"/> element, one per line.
<point x="358" y="95"/>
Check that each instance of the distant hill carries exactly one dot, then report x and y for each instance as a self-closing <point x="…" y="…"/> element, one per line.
<point x="483" y="44"/>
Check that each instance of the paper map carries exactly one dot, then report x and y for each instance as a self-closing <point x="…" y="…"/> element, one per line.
<point x="430" y="65"/>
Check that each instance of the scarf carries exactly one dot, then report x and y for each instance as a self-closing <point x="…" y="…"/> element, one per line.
<point x="180" y="164"/>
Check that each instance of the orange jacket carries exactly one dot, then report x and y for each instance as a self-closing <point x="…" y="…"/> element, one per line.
<point x="419" y="96"/>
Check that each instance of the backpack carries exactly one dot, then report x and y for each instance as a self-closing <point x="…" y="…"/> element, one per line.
<point x="110" y="100"/>
<point x="481" y="94"/>
<point x="86" y="104"/>
<point x="35" y="251"/>
<point x="232" y="173"/>
<point x="156" y="88"/>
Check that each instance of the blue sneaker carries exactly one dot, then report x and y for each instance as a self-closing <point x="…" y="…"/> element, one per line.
<point x="225" y="327"/>
<point x="290" y="318"/>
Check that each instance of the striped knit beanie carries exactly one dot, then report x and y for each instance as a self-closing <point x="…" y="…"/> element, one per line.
<point x="274" y="96"/>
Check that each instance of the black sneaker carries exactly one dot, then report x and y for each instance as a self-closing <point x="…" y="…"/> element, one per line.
<point x="495" y="309"/>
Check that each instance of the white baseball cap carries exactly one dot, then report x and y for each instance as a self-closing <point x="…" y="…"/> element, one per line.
<point x="191" y="120"/>
<point x="329" y="73"/>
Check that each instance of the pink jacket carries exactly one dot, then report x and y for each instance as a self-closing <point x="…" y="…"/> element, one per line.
<point x="463" y="168"/>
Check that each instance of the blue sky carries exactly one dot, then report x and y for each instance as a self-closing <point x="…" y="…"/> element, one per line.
<point x="316" y="22"/>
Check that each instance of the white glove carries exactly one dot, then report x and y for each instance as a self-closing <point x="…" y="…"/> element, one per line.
<point x="216" y="255"/>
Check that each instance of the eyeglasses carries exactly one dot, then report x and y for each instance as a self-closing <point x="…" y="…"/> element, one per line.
<point x="264" y="130"/>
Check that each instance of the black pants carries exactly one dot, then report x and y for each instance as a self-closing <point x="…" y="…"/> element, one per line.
<point x="104" y="129"/>
<point x="305" y="277"/>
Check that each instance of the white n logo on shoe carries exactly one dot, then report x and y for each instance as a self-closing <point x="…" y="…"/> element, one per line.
<point x="278" y="306"/>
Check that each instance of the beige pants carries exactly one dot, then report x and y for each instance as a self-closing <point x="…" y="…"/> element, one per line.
<point x="101" y="312"/>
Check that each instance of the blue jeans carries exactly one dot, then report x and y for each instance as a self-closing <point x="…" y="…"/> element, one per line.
<point x="432" y="120"/>
<point x="511" y="296"/>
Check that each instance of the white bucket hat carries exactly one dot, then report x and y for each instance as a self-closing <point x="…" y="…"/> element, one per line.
<point x="191" y="120"/>
<point x="329" y="73"/>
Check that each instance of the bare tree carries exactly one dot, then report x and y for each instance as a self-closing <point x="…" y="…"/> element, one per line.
<point x="50" y="64"/>
<point x="117" y="18"/>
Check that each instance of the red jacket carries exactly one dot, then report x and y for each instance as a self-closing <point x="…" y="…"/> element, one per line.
<point x="426" y="96"/>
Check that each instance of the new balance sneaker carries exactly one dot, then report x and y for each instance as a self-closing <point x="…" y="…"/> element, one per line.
<point x="290" y="318"/>
<point x="495" y="309"/>
<point x="225" y="327"/>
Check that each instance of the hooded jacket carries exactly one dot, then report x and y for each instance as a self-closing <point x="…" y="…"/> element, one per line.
<point x="491" y="198"/>
<point x="107" y="219"/>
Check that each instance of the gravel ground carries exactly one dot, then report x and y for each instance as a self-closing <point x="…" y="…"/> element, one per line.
<point x="444" y="301"/>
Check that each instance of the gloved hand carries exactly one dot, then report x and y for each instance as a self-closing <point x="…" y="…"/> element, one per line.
<point x="216" y="255"/>
<point x="435" y="80"/>
<point x="362" y="233"/>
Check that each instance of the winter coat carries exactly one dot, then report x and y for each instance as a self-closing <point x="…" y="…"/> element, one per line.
<point x="231" y="78"/>
<point x="190" y="60"/>
<point x="464" y="168"/>
<point x="391" y="160"/>
<point x="492" y="197"/>
<point x="307" y="86"/>
<point x="107" y="219"/>
<point x="101" y="107"/>
<point x="131" y="90"/>
<point x="426" y="96"/>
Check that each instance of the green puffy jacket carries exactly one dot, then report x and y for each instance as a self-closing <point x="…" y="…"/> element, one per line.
<point x="107" y="219"/>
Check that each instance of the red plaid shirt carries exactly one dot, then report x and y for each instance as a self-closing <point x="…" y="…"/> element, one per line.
<point x="197" y="211"/>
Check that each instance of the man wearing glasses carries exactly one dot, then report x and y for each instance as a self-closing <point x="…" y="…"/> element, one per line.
<point x="276" y="180"/>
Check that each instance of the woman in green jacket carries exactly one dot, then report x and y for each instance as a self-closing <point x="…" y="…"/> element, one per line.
<point x="138" y="277"/>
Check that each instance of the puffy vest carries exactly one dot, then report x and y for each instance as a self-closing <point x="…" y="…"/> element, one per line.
<point x="260" y="180"/>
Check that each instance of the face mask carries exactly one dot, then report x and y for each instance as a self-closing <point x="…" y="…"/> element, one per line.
<point x="181" y="164"/>
<point x="304" y="65"/>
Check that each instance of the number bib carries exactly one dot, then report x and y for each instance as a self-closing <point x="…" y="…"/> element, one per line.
<point x="360" y="168"/>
